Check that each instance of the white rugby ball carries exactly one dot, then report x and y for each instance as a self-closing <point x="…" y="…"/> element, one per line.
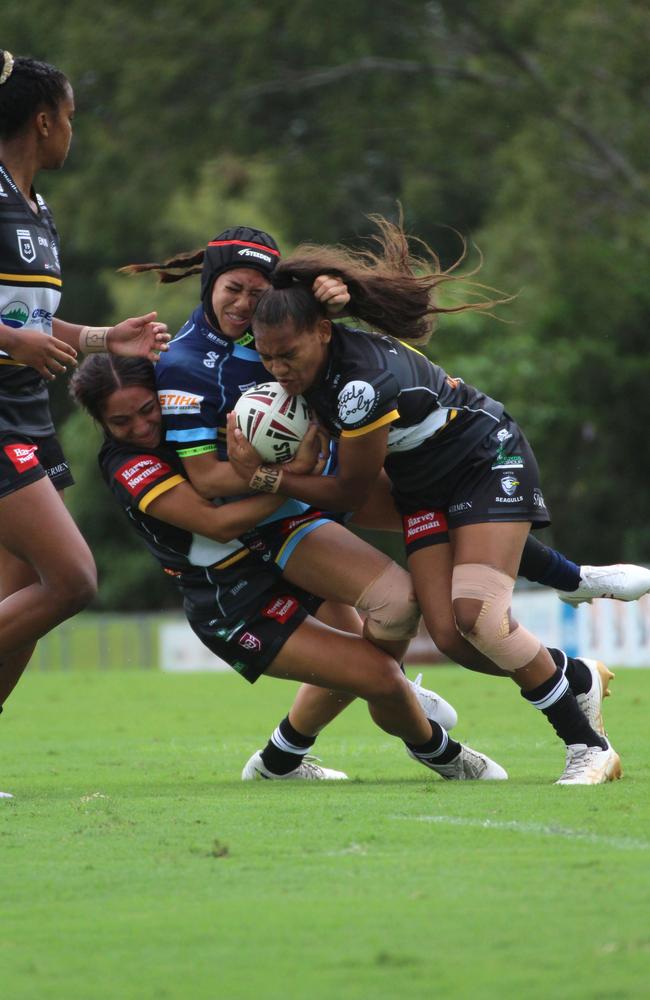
<point x="273" y="421"/>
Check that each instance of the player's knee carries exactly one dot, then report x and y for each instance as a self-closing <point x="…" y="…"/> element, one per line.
<point x="481" y="597"/>
<point x="77" y="589"/>
<point x="391" y="608"/>
<point x="448" y="640"/>
<point x="388" y="681"/>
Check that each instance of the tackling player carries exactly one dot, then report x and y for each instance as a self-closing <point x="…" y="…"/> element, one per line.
<point x="236" y="600"/>
<point x="456" y="459"/>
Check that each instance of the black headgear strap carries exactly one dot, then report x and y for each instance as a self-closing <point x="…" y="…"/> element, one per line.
<point x="238" y="247"/>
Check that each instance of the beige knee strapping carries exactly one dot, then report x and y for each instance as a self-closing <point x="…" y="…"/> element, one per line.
<point x="390" y="605"/>
<point x="491" y="633"/>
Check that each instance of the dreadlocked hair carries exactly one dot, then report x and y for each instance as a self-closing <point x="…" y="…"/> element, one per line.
<point x="182" y="265"/>
<point x="391" y="289"/>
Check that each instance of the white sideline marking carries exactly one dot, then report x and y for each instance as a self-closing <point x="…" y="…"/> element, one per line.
<point x="622" y="843"/>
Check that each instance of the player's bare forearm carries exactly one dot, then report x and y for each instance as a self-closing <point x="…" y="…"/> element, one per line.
<point x="212" y="478"/>
<point x="184" y="508"/>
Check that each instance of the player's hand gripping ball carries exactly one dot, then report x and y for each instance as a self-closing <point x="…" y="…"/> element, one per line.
<point x="273" y="421"/>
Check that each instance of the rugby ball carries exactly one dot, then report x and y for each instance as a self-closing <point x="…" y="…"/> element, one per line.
<point x="273" y="421"/>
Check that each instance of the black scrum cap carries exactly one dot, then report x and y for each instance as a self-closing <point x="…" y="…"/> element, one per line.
<point x="238" y="247"/>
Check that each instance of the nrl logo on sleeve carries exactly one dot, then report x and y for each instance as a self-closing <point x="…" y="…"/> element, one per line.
<point x="179" y="401"/>
<point x="26" y="245"/>
<point x="356" y="400"/>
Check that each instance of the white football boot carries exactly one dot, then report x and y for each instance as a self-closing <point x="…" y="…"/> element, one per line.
<point x="621" y="582"/>
<point x="433" y="706"/>
<point x="591" y="703"/>
<point x="308" y="770"/>
<point x="6" y="795"/>
<point x="590" y="765"/>
<point x="469" y="765"/>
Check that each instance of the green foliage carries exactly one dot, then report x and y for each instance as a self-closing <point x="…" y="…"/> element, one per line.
<point x="520" y="124"/>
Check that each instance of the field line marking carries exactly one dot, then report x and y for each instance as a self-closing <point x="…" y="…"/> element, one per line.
<point x="516" y="826"/>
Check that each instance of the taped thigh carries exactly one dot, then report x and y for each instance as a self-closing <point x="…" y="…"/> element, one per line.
<point x="390" y="605"/>
<point x="491" y="633"/>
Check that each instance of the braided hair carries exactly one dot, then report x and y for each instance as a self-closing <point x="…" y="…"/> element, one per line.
<point x="26" y="85"/>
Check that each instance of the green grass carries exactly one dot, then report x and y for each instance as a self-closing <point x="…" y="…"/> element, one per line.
<point x="135" y="864"/>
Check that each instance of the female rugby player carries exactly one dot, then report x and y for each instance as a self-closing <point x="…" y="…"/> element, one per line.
<point x="212" y="360"/>
<point x="234" y="597"/>
<point x="458" y="463"/>
<point x="47" y="573"/>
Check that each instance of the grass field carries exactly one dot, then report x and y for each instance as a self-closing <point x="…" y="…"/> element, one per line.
<point x="135" y="864"/>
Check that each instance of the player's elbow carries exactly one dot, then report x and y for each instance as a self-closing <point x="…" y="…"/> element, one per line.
<point x="354" y="495"/>
<point x="203" y="486"/>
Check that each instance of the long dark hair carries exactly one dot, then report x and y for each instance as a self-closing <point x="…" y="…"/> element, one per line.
<point x="28" y="86"/>
<point x="392" y="290"/>
<point x="99" y="375"/>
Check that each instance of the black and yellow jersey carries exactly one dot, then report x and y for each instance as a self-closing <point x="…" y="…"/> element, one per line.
<point x="210" y="574"/>
<point x="30" y="290"/>
<point x="373" y="380"/>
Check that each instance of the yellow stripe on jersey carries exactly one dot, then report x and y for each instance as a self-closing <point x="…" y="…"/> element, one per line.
<point x="228" y="562"/>
<point x="411" y="348"/>
<point x="8" y="361"/>
<point x="30" y="279"/>
<point x="386" y="419"/>
<point x="157" y="491"/>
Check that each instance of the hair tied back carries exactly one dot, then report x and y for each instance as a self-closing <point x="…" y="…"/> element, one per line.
<point x="7" y="66"/>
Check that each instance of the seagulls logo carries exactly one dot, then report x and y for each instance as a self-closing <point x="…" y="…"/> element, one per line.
<point x="509" y="485"/>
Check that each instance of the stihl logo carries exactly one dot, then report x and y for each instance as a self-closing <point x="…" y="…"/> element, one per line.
<point x="177" y="401"/>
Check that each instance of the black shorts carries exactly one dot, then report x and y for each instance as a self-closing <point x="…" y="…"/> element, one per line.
<point x="25" y="460"/>
<point x="497" y="482"/>
<point x="250" y="640"/>
<point x="284" y="535"/>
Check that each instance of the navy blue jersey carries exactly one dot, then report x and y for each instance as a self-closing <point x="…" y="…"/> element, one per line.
<point x="211" y="575"/>
<point x="373" y="380"/>
<point x="30" y="290"/>
<point x="200" y="378"/>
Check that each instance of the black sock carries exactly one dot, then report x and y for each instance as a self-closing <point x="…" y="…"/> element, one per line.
<point x="576" y="672"/>
<point x="542" y="564"/>
<point x="555" y="699"/>
<point x="440" y="749"/>
<point x="286" y="748"/>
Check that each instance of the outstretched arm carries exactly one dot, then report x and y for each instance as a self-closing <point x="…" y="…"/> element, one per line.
<point x="139" y="336"/>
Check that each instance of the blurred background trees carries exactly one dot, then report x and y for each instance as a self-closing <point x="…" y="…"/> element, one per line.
<point x="520" y="124"/>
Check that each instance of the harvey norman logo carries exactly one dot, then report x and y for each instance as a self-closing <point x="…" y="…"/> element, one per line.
<point x="178" y="401"/>
<point x="141" y="471"/>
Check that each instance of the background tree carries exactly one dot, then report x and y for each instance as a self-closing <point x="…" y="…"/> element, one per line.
<point x="521" y="124"/>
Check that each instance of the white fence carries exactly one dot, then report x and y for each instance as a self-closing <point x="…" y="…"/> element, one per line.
<point x="612" y="631"/>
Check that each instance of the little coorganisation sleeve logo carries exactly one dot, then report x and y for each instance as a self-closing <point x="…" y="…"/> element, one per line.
<point x="356" y="401"/>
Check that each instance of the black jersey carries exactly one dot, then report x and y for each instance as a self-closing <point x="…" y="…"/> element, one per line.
<point x="30" y="290"/>
<point x="210" y="574"/>
<point x="373" y="380"/>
